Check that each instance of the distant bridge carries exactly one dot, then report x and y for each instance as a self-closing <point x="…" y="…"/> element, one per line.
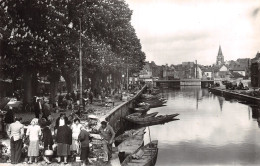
<point x="183" y="82"/>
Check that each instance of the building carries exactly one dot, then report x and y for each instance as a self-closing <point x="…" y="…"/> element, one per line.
<point x="208" y="73"/>
<point x="220" y="58"/>
<point x="255" y="74"/>
<point x="240" y="70"/>
<point x="168" y="72"/>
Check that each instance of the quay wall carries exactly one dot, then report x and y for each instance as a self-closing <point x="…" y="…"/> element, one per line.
<point x="235" y="95"/>
<point x="114" y="117"/>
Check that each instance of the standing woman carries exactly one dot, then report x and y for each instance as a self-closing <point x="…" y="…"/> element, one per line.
<point x="64" y="140"/>
<point x="9" y="117"/>
<point x="47" y="140"/>
<point x="84" y="141"/>
<point x="34" y="133"/>
<point x="75" y="127"/>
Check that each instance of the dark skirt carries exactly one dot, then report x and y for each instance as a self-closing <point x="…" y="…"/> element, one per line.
<point x="84" y="153"/>
<point x="63" y="149"/>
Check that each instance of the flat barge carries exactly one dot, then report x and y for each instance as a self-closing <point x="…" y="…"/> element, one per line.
<point x="235" y="95"/>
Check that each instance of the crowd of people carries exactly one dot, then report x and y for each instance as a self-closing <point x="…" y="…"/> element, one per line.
<point x="70" y="136"/>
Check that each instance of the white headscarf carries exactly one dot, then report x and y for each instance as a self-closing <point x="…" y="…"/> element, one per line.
<point x="34" y="121"/>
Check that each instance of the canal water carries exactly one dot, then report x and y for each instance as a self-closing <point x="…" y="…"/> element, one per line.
<point x="212" y="130"/>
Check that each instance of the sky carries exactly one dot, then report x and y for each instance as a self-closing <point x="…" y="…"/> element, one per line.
<point x="175" y="31"/>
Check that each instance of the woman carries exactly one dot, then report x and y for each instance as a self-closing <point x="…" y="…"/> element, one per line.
<point x="84" y="142"/>
<point x="47" y="141"/>
<point x="34" y="133"/>
<point x="64" y="140"/>
<point x="75" y="127"/>
<point x="9" y="117"/>
<point x="62" y="120"/>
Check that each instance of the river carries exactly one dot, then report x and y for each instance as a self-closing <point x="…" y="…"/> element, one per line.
<point x="212" y="130"/>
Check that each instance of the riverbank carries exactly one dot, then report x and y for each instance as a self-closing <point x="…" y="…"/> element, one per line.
<point x="111" y="113"/>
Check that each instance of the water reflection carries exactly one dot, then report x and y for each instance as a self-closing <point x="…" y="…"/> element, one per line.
<point x="212" y="130"/>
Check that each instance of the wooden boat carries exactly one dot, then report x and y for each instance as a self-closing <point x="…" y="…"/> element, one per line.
<point x="152" y="120"/>
<point x="131" y="144"/>
<point x="154" y="103"/>
<point x="145" y="156"/>
<point x="140" y="115"/>
<point x="127" y="134"/>
<point x="142" y="109"/>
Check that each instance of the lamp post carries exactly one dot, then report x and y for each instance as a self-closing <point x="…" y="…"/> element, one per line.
<point x="80" y="66"/>
<point x="127" y="76"/>
<point x="80" y="69"/>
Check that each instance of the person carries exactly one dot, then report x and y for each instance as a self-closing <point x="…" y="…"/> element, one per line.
<point x="9" y="118"/>
<point x="46" y="111"/>
<point x="34" y="133"/>
<point x="69" y="100"/>
<point x="75" y="127"/>
<point x="60" y="100"/>
<point x="47" y="141"/>
<point x="84" y="142"/>
<point x="64" y="140"/>
<point x="107" y="134"/>
<point x="62" y="120"/>
<point x="16" y="132"/>
<point x="37" y="108"/>
<point x="73" y="97"/>
<point x="90" y="96"/>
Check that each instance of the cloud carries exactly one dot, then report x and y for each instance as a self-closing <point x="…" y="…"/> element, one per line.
<point x="172" y="31"/>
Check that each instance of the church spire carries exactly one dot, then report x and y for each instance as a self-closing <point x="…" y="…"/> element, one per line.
<point x="220" y="51"/>
<point x="220" y="57"/>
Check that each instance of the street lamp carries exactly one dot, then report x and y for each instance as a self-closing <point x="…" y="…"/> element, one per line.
<point x="80" y="66"/>
<point x="80" y="70"/>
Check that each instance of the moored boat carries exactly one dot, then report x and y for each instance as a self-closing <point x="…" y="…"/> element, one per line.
<point x="131" y="144"/>
<point x="145" y="156"/>
<point x="140" y="115"/>
<point x="142" y="109"/>
<point x="127" y="134"/>
<point x="155" y="103"/>
<point x="152" y="120"/>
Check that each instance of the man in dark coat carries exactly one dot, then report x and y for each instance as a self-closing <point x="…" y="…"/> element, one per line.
<point x="37" y="108"/>
<point x="46" y="111"/>
<point x="64" y="140"/>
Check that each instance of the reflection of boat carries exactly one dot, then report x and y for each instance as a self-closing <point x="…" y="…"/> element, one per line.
<point x="127" y="134"/>
<point x="152" y="120"/>
<point x="131" y="144"/>
<point x="145" y="156"/>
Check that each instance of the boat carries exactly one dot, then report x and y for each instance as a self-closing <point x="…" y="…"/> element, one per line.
<point x="142" y="109"/>
<point x="152" y="120"/>
<point x="140" y="115"/>
<point x="145" y="156"/>
<point x="155" y="103"/>
<point x="131" y="144"/>
<point x="127" y="134"/>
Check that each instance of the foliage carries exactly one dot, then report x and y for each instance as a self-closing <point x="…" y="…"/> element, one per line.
<point x="43" y="36"/>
